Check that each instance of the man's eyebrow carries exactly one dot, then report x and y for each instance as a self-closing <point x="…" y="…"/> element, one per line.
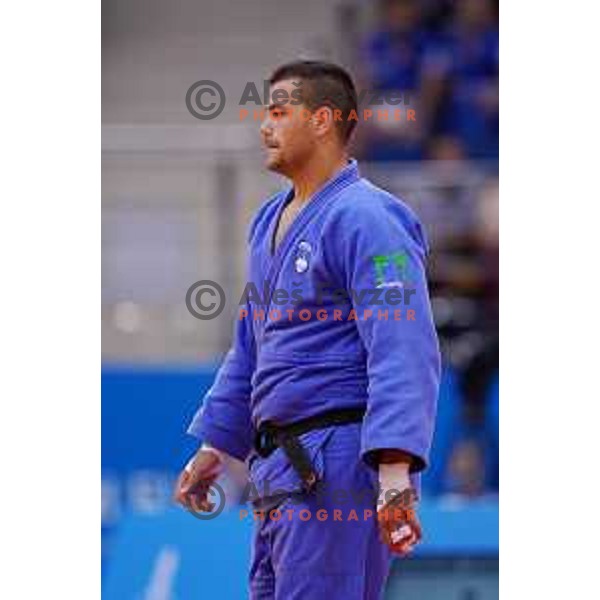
<point x="275" y="105"/>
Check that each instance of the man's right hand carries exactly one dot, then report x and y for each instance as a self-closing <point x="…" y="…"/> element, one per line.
<point x="194" y="481"/>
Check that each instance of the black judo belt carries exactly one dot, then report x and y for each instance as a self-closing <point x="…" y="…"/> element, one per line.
<point x="271" y="436"/>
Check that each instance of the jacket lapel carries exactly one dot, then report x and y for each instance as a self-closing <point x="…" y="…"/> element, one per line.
<point x="315" y="205"/>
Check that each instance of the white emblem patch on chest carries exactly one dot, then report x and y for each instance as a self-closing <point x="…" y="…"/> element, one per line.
<point x="302" y="257"/>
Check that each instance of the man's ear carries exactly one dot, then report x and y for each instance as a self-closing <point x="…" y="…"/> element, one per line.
<point x="322" y="120"/>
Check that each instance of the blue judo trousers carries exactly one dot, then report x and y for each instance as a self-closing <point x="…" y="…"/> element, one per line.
<point x="336" y="316"/>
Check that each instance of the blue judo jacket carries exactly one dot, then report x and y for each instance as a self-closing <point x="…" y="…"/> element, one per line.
<point x="337" y="315"/>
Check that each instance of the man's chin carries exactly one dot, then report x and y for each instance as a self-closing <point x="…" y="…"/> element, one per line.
<point x="274" y="164"/>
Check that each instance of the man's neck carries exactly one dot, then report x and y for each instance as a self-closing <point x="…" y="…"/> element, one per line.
<point x="315" y="174"/>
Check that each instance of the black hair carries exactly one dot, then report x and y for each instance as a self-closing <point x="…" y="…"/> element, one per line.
<point x="323" y="84"/>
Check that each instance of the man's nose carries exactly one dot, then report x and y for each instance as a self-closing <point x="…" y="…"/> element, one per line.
<point x="266" y="126"/>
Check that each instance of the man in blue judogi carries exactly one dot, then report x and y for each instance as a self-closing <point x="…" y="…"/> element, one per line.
<point x="330" y="387"/>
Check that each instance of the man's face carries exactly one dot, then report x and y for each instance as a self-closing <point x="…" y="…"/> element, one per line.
<point x="474" y="14"/>
<point x="402" y="15"/>
<point x="287" y="134"/>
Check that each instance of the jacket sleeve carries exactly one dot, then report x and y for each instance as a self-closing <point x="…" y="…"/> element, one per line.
<point x="223" y="420"/>
<point x="384" y="251"/>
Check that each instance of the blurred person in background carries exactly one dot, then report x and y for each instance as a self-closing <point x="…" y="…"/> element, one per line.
<point x="465" y="290"/>
<point x="465" y="475"/>
<point x="397" y="57"/>
<point x="468" y="57"/>
<point x="445" y="57"/>
<point x="342" y="404"/>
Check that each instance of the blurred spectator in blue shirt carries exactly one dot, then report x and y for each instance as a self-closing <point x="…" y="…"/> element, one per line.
<point x="471" y="70"/>
<point x="444" y="56"/>
<point x="393" y="54"/>
<point x="396" y="57"/>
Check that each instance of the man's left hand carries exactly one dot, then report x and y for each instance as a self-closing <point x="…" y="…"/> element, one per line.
<point x="398" y="522"/>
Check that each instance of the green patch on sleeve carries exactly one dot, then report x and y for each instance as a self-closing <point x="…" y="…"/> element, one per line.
<point x="380" y="263"/>
<point x="391" y="267"/>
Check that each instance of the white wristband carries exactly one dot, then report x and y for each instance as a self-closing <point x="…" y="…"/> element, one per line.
<point x="221" y="457"/>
